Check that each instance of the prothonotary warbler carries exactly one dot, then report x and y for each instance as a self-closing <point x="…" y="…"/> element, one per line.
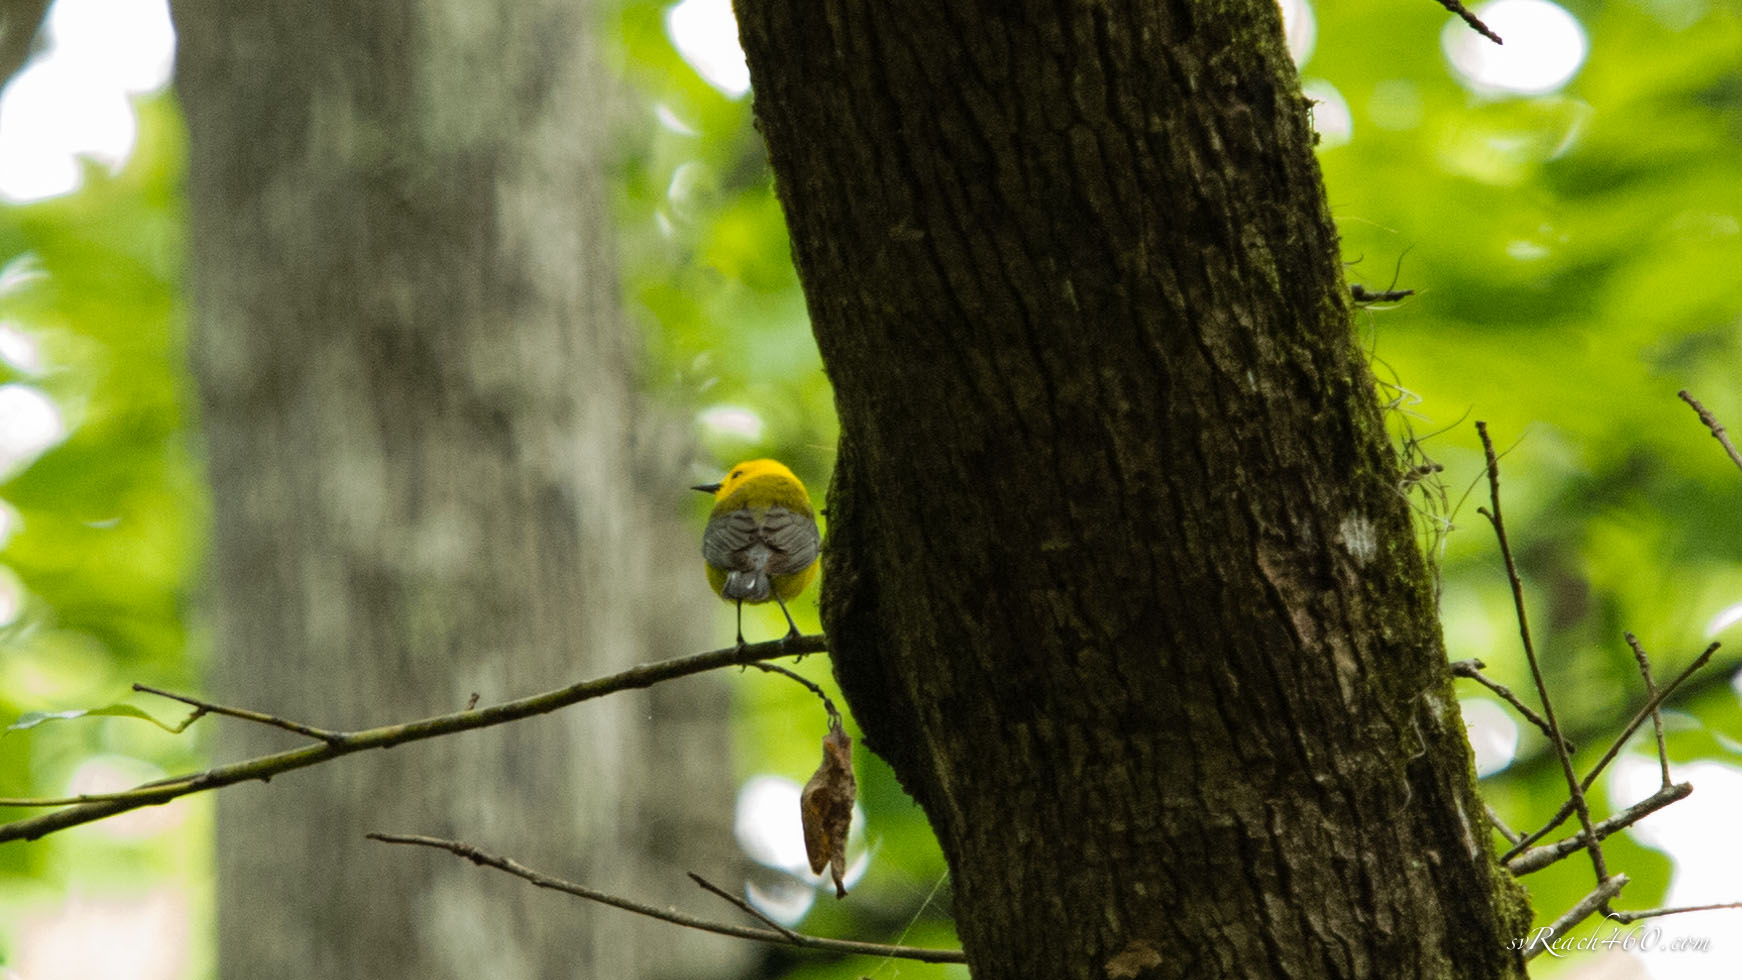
<point x="761" y="541"/>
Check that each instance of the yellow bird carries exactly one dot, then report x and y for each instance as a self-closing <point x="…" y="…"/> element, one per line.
<point x="761" y="542"/>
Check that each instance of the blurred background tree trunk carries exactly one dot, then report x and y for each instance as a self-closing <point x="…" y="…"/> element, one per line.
<point x="432" y="481"/>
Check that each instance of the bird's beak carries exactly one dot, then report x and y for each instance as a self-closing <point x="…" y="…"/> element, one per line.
<point x="708" y="488"/>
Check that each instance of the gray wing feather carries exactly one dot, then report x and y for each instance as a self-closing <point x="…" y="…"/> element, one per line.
<point x="727" y="538"/>
<point x="793" y="537"/>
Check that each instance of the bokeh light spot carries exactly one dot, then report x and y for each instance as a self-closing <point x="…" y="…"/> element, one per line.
<point x="1545" y="46"/>
<point x="706" y="33"/>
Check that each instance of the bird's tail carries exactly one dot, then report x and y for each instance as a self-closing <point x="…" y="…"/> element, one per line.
<point x="748" y="586"/>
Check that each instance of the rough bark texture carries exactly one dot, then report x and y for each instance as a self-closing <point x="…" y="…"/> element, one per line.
<point x="1119" y="578"/>
<point x="431" y="482"/>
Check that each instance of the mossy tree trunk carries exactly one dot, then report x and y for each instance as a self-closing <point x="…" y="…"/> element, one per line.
<point x="1119" y="578"/>
<point x="432" y="482"/>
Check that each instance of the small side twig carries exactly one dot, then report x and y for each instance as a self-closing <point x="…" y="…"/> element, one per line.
<point x="1626" y="917"/>
<point x="1472" y="669"/>
<point x="1475" y="22"/>
<point x="748" y="909"/>
<point x="1644" y="661"/>
<point x="1606" y="889"/>
<point x="828" y="705"/>
<point x="258" y="717"/>
<point x="789" y="938"/>
<point x="1361" y="294"/>
<point x="1512" y="836"/>
<point x="1712" y="423"/>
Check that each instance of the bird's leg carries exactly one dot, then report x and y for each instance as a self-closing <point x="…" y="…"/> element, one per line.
<point x="793" y="627"/>
<point x="740" y="624"/>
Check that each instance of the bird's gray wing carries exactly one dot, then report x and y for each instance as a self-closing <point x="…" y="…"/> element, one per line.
<point x="794" y="538"/>
<point x="727" y="538"/>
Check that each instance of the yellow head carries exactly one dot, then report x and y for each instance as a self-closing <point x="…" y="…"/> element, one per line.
<point x="759" y="483"/>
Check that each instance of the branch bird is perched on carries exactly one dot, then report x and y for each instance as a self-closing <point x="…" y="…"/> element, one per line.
<point x="761" y="541"/>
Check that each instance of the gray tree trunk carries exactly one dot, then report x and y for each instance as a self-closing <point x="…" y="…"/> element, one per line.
<point x="431" y="481"/>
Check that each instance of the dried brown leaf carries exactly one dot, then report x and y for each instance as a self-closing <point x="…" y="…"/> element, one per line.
<point x="826" y="806"/>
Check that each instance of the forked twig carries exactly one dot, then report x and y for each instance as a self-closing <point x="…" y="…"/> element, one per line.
<point x="99" y="806"/>
<point x="258" y="717"/>
<point x="1615" y="749"/>
<point x="749" y="909"/>
<point x="1537" y="858"/>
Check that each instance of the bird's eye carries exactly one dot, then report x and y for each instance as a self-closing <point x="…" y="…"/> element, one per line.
<point x="736" y="474"/>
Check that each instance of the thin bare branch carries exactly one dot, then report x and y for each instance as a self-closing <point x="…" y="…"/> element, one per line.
<point x="1538" y="858"/>
<point x="1606" y="889"/>
<point x="1712" y="423"/>
<point x="1575" y="791"/>
<point x="265" y="767"/>
<point x="789" y="938"/>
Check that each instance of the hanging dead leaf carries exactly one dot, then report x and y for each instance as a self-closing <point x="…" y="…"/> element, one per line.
<point x="827" y="807"/>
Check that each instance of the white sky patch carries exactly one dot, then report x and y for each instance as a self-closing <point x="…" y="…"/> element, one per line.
<point x="114" y="773"/>
<point x="29" y="424"/>
<point x="136" y="937"/>
<point x="18" y="349"/>
<point x="1300" y="28"/>
<point x="11" y="590"/>
<point x="1545" y="47"/>
<point x="769" y="830"/>
<point x="668" y="118"/>
<point x="1725" y="619"/>
<point x="706" y="33"/>
<point x="72" y="99"/>
<point x="1493" y="734"/>
<point x="1332" y="119"/>
<point x="1699" y="834"/>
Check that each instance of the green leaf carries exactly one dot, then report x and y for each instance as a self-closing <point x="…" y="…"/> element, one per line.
<point x="31" y="719"/>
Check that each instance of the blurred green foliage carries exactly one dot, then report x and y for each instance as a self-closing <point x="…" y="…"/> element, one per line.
<point x="1575" y="258"/>
<point x="104" y="526"/>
